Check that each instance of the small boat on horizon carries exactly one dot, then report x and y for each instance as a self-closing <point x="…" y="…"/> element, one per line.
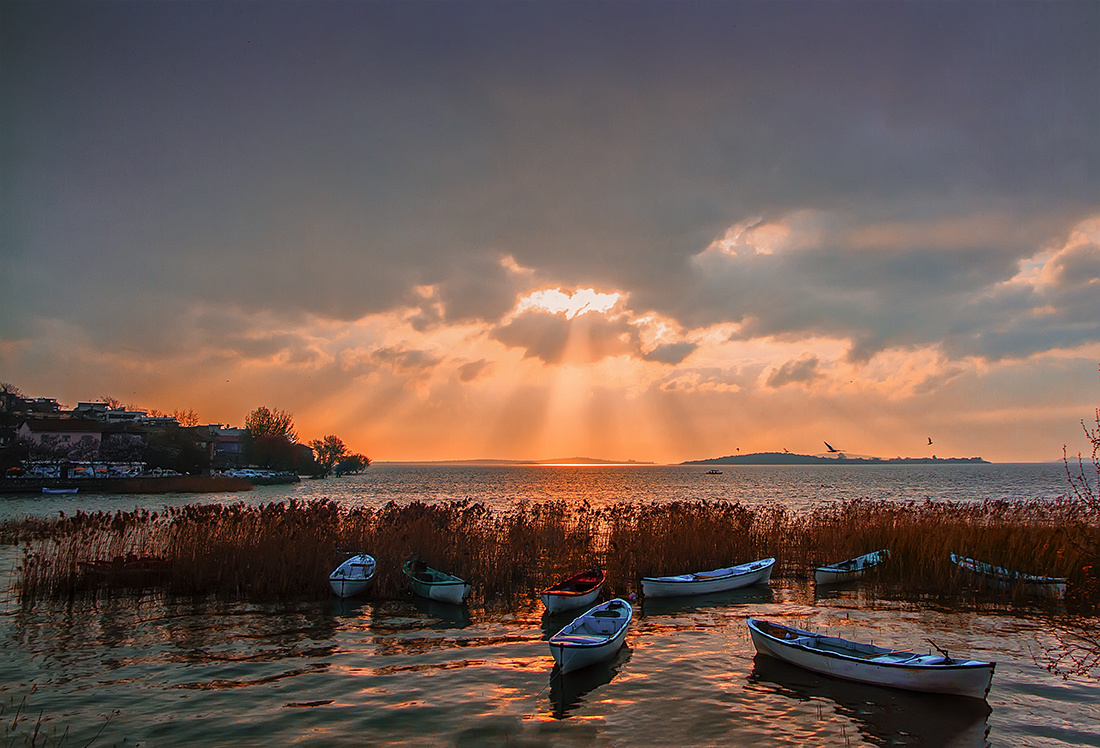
<point x="705" y="582"/>
<point x="867" y="663"/>
<point x="1005" y="580"/>
<point x="578" y="591"/>
<point x="850" y="570"/>
<point x="592" y="637"/>
<point x="714" y="472"/>
<point x="353" y="576"/>
<point x="434" y="584"/>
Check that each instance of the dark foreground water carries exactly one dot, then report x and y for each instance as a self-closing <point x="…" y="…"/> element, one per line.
<point x="159" y="672"/>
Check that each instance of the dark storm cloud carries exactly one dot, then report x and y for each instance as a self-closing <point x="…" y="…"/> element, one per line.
<point x="332" y="158"/>
<point x="803" y="370"/>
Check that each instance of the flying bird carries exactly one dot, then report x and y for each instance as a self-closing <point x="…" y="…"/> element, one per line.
<point x="830" y="447"/>
<point x="929" y="440"/>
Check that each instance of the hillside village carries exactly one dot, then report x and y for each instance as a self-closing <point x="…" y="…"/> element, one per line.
<point x="40" y="438"/>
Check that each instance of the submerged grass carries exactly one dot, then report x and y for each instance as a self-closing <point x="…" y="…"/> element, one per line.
<point x="286" y="550"/>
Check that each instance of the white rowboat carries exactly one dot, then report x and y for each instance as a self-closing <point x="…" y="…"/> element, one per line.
<point x="850" y="570"/>
<point x="436" y="585"/>
<point x="579" y="591"/>
<point x="866" y="663"/>
<point x="353" y="576"/>
<point x="1005" y="580"/>
<point x="705" y="582"/>
<point x="593" y="636"/>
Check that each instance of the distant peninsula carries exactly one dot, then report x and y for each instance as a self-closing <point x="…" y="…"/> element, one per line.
<point x="786" y="458"/>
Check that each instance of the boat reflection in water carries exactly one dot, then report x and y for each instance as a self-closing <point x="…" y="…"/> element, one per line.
<point x="760" y="594"/>
<point x="885" y="716"/>
<point x="568" y="691"/>
<point x="447" y="614"/>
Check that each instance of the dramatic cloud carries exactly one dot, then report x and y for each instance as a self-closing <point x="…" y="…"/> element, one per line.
<point x="577" y="220"/>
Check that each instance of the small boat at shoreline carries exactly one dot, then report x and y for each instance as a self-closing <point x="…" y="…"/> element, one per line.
<point x="850" y="570"/>
<point x="578" y="591"/>
<point x="353" y="576"/>
<point x="705" y="582"/>
<point x="592" y="637"/>
<point x="59" y="490"/>
<point x="866" y="663"/>
<point x="1005" y="580"/>
<point x="434" y="584"/>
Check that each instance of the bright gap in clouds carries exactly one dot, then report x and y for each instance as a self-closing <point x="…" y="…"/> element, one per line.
<point x="556" y="301"/>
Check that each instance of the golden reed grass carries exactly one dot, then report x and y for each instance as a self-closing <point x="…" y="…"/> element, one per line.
<point x="286" y="550"/>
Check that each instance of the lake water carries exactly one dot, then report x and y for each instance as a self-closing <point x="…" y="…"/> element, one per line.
<point x="164" y="672"/>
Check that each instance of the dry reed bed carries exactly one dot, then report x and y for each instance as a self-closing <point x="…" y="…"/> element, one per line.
<point x="281" y="551"/>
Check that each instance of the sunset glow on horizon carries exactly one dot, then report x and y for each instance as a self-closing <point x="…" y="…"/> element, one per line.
<point x="648" y="232"/>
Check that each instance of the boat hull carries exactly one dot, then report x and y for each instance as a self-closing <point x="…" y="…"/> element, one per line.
<point x="850" y="570"/>
<point x="592" y="637"/>
<point x="575" y="593"/>
<point x="704" y="583"/>
<point x="930" y="674"/>
<point x="558" y="602"/>
<point x="353" y="577"/>
<point x="436" y="585"/>
<point x="1003" y="580"/>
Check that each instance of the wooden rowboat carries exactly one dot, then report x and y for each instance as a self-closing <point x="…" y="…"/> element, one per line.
<point x="850" y="570"/>
<point x="592" y="637"/>
<point x="705" y="582"/>
<point x="353" y="576"/>
<point x="578" y="591"/>
<point x="435" y="585"/>
<point x="866" y="663"/>
<point x="1005" y="580"/>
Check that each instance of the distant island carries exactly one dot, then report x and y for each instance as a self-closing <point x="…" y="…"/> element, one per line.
<point x="786" y="458"/>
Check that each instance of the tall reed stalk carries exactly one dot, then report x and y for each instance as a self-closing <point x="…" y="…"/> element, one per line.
<point x="286" y="550"/>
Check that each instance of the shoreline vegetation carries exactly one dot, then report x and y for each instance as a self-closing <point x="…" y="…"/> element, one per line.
<point x="285" y="551"/>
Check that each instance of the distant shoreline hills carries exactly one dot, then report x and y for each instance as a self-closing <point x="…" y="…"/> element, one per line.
<point x="786" y="458"/>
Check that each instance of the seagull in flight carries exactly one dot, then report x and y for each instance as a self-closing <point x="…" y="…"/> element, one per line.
<point x="929" y="440"/>
<point x="830" y="447"/>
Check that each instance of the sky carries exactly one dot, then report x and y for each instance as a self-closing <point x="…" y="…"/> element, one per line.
<point x="653" y="231"/>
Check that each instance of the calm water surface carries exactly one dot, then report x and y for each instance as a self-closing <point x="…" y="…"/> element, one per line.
<point x="156" y="671"/>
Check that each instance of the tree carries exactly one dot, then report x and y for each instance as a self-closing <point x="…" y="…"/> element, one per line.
<point x="10" y="389"/>
<point x="186" y="417"/>
<point x="112" y="402"/>
<point x="275" y="452"/>
<point x="352" y="464"/>
<point x="265" y="422"/>
<point x="329" y="451"/>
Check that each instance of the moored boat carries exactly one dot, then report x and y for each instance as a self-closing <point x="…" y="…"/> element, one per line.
<point x="705" y="582"/>
<point x="850" y="570"/>
<point x="867" y="663"/>
<point x="353" y="576"/>
<point x="59" y="490"/>
<point x="1005" y="580"/>
<point x="435" y="585"/>
<point x="578" y="591"/>
<point x="594" y="636"/>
